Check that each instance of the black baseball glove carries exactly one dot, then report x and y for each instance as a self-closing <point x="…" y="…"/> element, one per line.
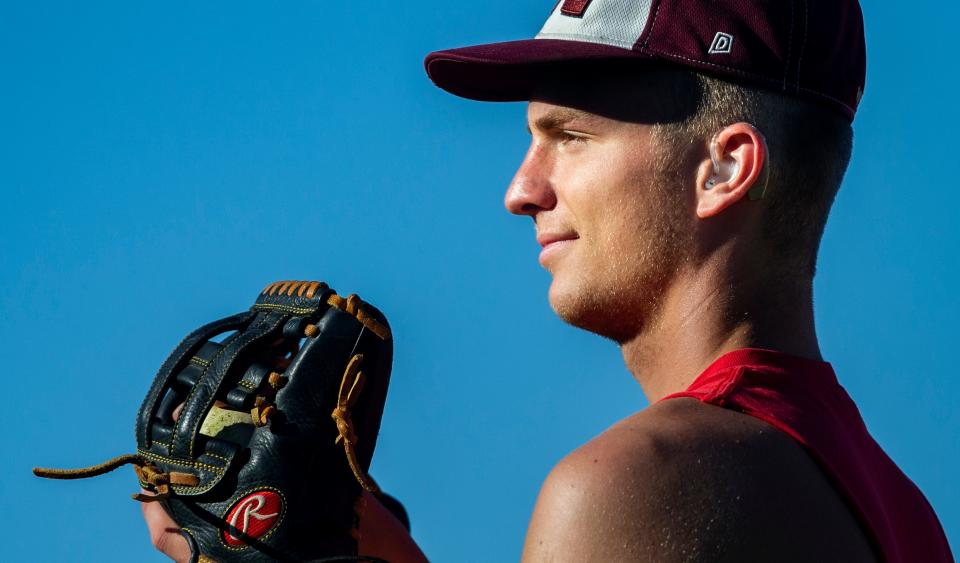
<point x="258" y="430"/>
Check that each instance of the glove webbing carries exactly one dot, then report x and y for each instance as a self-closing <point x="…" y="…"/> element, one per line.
<point x="350" y="388"/>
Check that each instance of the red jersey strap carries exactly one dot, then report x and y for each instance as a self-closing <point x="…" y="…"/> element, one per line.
<point x="802" y="398"/>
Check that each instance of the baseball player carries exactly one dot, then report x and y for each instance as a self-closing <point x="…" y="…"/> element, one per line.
<point x="684" y="157"/>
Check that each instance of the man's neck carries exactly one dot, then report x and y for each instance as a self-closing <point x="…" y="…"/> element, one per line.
<point x="706" y="315"/>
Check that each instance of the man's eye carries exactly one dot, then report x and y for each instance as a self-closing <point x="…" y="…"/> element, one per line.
<point x="571" y="137"/>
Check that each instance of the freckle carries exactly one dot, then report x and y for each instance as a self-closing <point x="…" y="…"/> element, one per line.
<point x="594" y="461"/>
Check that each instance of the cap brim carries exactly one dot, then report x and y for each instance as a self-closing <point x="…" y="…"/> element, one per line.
<point x="508" y="72"/>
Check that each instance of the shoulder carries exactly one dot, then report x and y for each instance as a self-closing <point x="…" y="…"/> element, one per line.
<point x="687" y="481"/>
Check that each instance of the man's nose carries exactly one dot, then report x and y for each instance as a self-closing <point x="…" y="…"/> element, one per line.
<point x="531" y="190"/>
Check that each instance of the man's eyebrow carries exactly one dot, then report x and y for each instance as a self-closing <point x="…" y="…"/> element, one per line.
<point x="556" y="118"/>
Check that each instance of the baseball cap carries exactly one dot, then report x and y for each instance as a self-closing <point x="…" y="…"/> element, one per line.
<point x="811" y="49"/>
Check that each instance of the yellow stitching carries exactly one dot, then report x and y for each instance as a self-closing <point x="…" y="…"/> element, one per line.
<point x="251" y="337"/>
<point x="163" y="459"/>
<point x="221" y="458"/>
<point x="283" y="308"/>
<point x="173" y="438"/>
<point x="215" y="456"/>
<point x="138" y="428"/>
<point x="185" y="489"/>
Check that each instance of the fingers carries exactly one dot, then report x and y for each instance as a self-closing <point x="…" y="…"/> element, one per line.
<point x="176" y="412"/>
<point x="164" y="532"/>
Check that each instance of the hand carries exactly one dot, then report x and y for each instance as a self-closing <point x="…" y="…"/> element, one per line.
<point x="381" y="534"/>
<point x="164" y="532"/>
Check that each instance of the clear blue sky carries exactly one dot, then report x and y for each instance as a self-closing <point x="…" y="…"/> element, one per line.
<point x="161" y="162"/>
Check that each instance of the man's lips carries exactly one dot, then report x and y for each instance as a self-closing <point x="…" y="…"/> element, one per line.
<point x="553" y="243"/>
<point x="546" y="239"/>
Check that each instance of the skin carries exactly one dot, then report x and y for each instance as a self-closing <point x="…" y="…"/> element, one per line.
<point x="684" y="481"/>
<point x="664" y="256"/>
<point x="381" y="534"/>
<point x="660" y="250"/>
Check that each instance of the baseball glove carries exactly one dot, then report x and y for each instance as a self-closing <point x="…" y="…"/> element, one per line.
<point x="258" y="430"/>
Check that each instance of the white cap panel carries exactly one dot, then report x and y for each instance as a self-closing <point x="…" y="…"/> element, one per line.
<point x="610" y="22"/>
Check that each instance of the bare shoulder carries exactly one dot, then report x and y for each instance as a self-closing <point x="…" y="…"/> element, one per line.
<point x="687" y="481"/>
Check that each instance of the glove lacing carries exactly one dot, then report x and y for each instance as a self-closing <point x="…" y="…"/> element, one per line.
<point x="350" y="388"/>
<point x="150" y="476"/>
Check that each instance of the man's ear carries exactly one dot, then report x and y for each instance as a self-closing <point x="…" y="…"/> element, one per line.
<point x="738" y="156"/>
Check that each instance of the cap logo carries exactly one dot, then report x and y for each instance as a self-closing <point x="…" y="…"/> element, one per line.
<point x="253" y="516"/>
<point x="722" y="44"/>
<point x="574" y="8"/>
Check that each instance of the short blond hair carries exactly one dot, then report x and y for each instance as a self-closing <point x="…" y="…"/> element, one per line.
<point x="809" y="151"/>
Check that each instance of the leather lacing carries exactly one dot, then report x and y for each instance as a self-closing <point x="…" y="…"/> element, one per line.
<point x="350" y="388"/>
<point x="303" y="288"/>
<point x="353" y="305"/>
<point x="152" y="478"/>
<point x="149" y="475"/>
<point x="161" y="481"/>
<point x="263" y="410"/>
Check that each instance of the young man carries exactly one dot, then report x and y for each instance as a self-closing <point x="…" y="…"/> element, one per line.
<point x="684" y="158"/>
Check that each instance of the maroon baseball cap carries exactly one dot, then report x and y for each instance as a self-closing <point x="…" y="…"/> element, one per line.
<point x="812" y="49"/>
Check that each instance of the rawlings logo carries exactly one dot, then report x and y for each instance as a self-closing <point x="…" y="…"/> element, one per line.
<point x="253" y="516"/>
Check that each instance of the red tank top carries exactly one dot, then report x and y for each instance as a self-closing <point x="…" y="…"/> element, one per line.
<point x="803" y="398"/>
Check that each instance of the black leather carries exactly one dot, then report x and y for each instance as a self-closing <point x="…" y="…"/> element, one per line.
<point x="294" y="457"/>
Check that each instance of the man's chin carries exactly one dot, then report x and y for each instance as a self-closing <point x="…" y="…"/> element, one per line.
<point x="585" y="309"/>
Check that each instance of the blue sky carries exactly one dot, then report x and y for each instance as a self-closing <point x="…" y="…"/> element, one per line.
<point x="163" y="162"/>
